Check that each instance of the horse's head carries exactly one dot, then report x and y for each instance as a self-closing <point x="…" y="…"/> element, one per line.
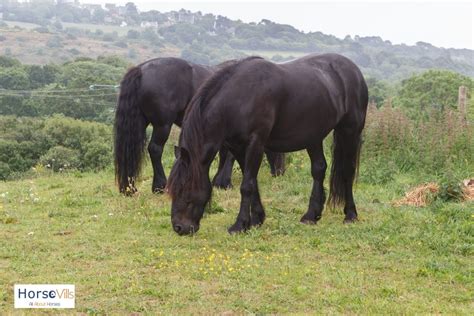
<point x="190" y="190"/>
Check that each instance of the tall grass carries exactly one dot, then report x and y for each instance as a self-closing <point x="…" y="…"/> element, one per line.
<point x="429" y="148"/>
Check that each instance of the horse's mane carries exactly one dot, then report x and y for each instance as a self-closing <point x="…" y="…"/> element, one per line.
<point x="191" y="137"/>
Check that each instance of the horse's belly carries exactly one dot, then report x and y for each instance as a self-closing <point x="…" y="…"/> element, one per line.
<point x="298" y="140"/>
<point x="294" y="131"/>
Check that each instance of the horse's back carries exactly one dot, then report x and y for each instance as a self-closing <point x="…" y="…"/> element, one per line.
<point x="305" y="98"/>
<point x="168" y="84"/>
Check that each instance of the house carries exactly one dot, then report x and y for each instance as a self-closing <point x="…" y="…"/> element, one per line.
<point x="147" y="24"/>
<point x="112" y="8"/>
<point x="91" y="7"/>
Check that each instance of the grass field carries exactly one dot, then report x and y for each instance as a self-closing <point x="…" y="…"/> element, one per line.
<point x="123" y="256"/>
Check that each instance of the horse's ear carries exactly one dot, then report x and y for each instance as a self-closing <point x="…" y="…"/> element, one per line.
<point x="176" y="152"/>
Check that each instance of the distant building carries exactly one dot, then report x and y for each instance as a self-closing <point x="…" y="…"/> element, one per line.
<point x="91" y="7"/>
<point x="70" y="2"/>
<point x="146" y="24"/>
<point x="122" y="10"/>
<point x="185" y="16"/>
<point x="41" y="1"/>
<point x="112" y="8"/>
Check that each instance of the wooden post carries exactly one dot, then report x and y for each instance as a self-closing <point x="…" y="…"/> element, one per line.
<point x="462" y="97"/>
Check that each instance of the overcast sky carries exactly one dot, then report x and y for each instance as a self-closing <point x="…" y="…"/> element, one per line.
<point x="441" y="23"/>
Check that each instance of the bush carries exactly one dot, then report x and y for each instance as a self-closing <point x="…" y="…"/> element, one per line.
<point x="5" y="171"/>
<point x="60" y="142"/>
<point x="60" y="158"/>
<point x="97" y="155"/>
<point x="393" y="143"/>
<point x="450" y="187"/>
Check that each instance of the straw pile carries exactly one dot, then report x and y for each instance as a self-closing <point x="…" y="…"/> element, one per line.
<point x="419" y="196"/>
<point x="468" y="189"/>
<point x="423" y="194"/>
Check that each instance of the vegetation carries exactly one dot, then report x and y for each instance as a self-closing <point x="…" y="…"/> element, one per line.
<point x="396" y="260"/>
<point x="204" y="38"/>
<point x="62" y="217"/>
<point x="33" y="90"/>
<point x="56" y="143"/>
<point x="431" y="90"/>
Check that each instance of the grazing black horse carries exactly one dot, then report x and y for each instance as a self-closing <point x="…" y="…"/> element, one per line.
<point x="157" y="92"/>
<point x="255" y="104"/>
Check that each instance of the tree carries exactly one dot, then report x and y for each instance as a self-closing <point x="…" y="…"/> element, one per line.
<point x="133" y="34"/>
<point x="14" y="78"/>
<point x="433" y="89"/>
<point x="99" y="15"/>
<point x="131" y="12"/>
<point x="378" y="91"/>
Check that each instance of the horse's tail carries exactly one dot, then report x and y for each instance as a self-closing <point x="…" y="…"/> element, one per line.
<point x="345" y="163"/>
<point x="129" y="132"/>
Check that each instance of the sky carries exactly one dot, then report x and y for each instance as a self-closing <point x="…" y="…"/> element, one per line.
<point x="447" y="24"/>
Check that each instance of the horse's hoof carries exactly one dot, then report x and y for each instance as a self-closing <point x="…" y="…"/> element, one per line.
<point x="278" y="173"/>
<point x="350" y="220"/>
<point x="308" y="220"/>
<point x="158" y="190"/>
<point x="238" y="227"/>
<point x="129" y="191"/>
<point x="257" y="220"/>
<point x="223" y="185"/>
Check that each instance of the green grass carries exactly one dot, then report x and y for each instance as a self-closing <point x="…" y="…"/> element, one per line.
<point x="123" y="256"/>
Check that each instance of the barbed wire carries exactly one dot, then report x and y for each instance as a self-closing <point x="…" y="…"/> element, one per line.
<point x="78" y="96"/>
<point x="38" y="91"/>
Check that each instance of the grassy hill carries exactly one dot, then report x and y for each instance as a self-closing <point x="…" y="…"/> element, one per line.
<point x="33" y="47"/>
<point x="212" y="39"/>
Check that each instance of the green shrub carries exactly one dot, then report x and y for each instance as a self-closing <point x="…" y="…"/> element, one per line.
<point x="450" y="187"/>
<point x="97" y="155"/>
<point x="393" y="143"/>
<point x="5" y="171"/>
<point x="60" y="158"/>
<point x="73" y="144"/>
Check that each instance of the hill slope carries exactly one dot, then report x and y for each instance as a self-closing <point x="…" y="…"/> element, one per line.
<point x="210" y="39"/>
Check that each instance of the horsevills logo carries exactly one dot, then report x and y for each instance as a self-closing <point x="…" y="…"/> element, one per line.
<point x="44" y="295"/>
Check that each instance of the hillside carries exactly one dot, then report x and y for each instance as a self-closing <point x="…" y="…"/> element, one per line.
<point x="209" y="39"/>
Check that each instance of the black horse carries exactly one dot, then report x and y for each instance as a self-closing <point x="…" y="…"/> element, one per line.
<point x="255" y="104"/>
<point x="157" y="92"/>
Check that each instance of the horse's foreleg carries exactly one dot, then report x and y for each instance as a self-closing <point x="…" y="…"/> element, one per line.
<point x="318" y="171"/>
<point x="250" y="197"/>
<point x="155" y="148"/>
<point x="222" y="179"/>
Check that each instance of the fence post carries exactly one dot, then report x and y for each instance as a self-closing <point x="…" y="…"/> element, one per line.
<point x="462" y="97"/>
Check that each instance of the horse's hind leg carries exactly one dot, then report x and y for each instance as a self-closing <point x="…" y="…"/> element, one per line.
<point x="346" y="152"/>
<point x="250" y="197"/>
<point x="349" y="171"/>
<point x="276" y="162"/>
<point x="222" y="179"/>
<point x="155" y="148"/>
<point x="318" y="171"/>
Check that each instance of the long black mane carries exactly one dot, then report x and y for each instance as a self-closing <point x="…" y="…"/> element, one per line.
<point x="191" y="138"/>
